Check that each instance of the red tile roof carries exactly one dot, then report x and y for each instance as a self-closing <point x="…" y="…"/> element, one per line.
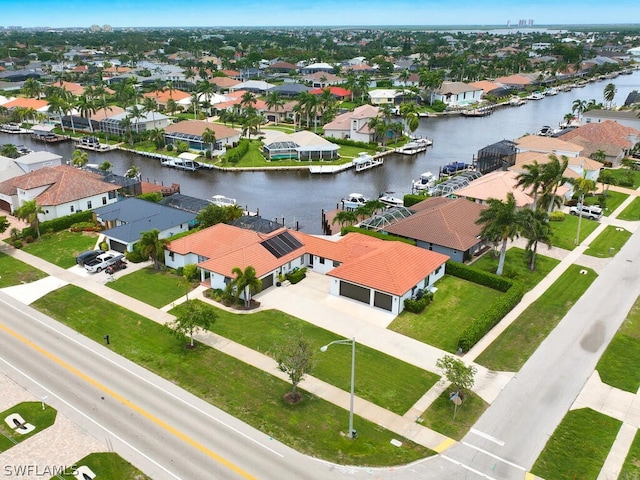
<point x="34" y="103"/>
<point x="605" y="133"/>
<point x="163" y="96"/>
<point x="197" y="127"/>
<point x="335" y="91"/>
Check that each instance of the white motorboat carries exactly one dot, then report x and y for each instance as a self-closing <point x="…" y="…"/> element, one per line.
<point x="389" y="200"/>
<point x="535" y="96"/>
<point x="223" y="201"/>
<point x="426" y="181"/>
<point x="353" y="201"/>
<point x="364" y="161"/>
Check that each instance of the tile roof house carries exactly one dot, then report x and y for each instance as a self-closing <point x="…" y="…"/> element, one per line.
<point x="443" y="225"/>
<point x="515" y="81"/>
<point x="59" y="190"/>
<point x="353" y="125"/>
<point x="163" y="96"/>
<point x="323" y="79"/>
<point x="191" y="131"/>
<point x="224" y="83"/>
<point x="376" y="272"/>
<point x="126" y="220"/>
<point x="457" y="94"/>
<point x="495" y="185"/>
<point x="613" y="138"/>
<point x="35" y="103"/>
<point x="338" y="92"/>
<point x="628" y="118"/>
<point x="557" y="146"/>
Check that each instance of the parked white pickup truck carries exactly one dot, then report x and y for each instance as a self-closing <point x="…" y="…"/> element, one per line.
<point x="102" y="261"/>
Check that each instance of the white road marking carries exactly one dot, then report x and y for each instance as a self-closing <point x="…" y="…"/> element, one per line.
<point x="90" y="419"/>
<point x="202" y="412"/>
<point x="460" y="464"/>
<point x="495" y="456"/>
<point x="487" y="436"/>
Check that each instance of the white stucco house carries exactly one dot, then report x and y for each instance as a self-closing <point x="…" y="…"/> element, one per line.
<point x="457" y="94"/>
<point x="353" y="125"/>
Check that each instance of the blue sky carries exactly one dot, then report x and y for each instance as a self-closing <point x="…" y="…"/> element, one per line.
<point x="216" y="13"/>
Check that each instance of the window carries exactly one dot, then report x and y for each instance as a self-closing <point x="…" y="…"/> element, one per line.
<point x="89" y="204"/>
<point x="71" y="207"/>
<point x="104" y="200"/>
<point x="322" y="260"/>
<point x="171" y="254"/>
<point x="112" y="195"/>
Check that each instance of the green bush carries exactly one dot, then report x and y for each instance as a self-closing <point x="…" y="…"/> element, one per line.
<point x="59" y="224"/>
<point x="481" y="325"/>
<point x="134" y="257"/>
<point x="476" y="275"/>
<point x="85" y="227"/>
<point x="418" y="305"/>
<point x="235" y="154"/>
<point x="557" y="216"/>
<point x="371" y="233"/>
<point x="413" y="198"/>
<point x="438" y="106"/>
<point x="170" y="147"/>
<point x="104" y="246"/>
<point x="352" y="143"/>
<point x="295" y="276"/>
<point x="17" y="243"/>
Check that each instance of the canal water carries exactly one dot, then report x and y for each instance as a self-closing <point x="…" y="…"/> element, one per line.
<point x="299" y="197"/>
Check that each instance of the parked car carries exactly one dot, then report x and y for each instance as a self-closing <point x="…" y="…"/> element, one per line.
<point x="102" y="261"/>
<point x="87" y="256"/>
<point x="592" y="212"/>
<point x="119" y="265"/>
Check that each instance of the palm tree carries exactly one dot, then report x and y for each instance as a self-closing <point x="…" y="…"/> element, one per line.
<point x="150" y="105"/>
<point x="273" y="101"/>
<point x="172" y="106"/>
<point x="32" y="88"/>
<point x="500" y="224"/>
<point x="536" y="229"/>
<point x="208" y="136"/>
<point x="345" y="217"/>
<point x="609" y="93"/>
<point x="133" y="172"/>
<point x="532" y="179"/>
<point x="403" y="76"/>
<point x="86" y="107"/>
<point x="29" y="212"/>
<point x="105" y="166"/>
<point x="247" y="100"/>
<point x="9" y="150"/>
<point x="79" y="158"/>
<point x="135" y="115"/>
<point x="205" y="89"/>
<point x="152" y="246"/>
<point x="552" y="174"/>
<point x="246" y="282"/>
<point x="582" y="186"/>
<point x="57" y="106"/>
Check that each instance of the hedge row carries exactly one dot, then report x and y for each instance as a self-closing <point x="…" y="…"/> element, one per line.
<point x="372" y="233"/>
<point x="296" y="275"/>
<point x="417" y="306"/>
<point x="481" y="325"/>
<point x="351" y="143"/>
<point x="476" y="275"/>
<point x="411" y="199"/>
<point x="234" y="155"/>
<point x="59" y="224"/>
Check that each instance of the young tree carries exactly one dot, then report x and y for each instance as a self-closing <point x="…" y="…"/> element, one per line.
<point x="246" y="283"/>
<point x="295" y="357"/>
<point x="194" y="317"/>
<point x="457" y="373"/>
<point x="214" y="214"/>
<point x="4" y="224"/>
<point x="152" y="246"/>
<point x="29" y="212"/>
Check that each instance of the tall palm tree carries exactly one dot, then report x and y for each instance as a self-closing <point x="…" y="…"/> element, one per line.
<point x="531" y="179"/>
<point x="273" y="101"/>
<point x="172" y="106"/>
<point x="552" y="174"/>
<point x="582" y="187"/>
<point x="57" y="106"/>
<point x="246" y="282"/>
<point x="345" y="217"/>
<point x="536" y="229"/>
<point x="135" y="115"/>
<point x="86" y="107"/>
<point x="29" y="212"/>
<point x="209" y="136"/>
<point x="150" y="105"/>
<point x="500" y="223"/>
<point x="32" y="88"/>
<point x="609" y="93"/>
<point x="153" y="246"/>
<point x="9" y="150"/>
<point x="247" y="100"/>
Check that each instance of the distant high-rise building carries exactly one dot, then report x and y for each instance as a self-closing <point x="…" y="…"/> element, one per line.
<point x="531" y="23"/>
<point x="508" y="23"/>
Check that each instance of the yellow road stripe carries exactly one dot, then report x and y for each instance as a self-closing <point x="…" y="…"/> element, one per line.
<point x="444" y="445"/>
<point x="130" y="404"/>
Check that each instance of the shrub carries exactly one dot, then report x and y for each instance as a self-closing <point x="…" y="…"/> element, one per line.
<point x="62" y="223"/>
<point x="418" y="305"/>
<point x="85" y="227"/>
<point x="413" y="198"/>
<point x="104" y="245"/>
<point x="134" y="257"/>
<point x="28" y="239"/>
<point x="556" y="216"/>
<point x="296" y="275"/>
<point x="170" y="147"/>
<point x="17" y="243"/>
<point x="476" y="275"/>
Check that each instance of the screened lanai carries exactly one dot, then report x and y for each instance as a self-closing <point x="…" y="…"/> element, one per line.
<point x="452" y="184"/>
<point x="385" y="218"/>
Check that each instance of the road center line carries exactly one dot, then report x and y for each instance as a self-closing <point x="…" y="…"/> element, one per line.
<point x="174" y="431"/>
<point x="495" y="456"/>
<point x="487" y="436"/>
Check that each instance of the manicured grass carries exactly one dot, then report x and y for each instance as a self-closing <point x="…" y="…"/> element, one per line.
<point x="15" y="272"/>
<point x="439" y="415"/>
<point x="631" y="467"/>
<point x="154" y="287"/>
<point x="518" y="342"/>
<point x="632" y="212"/>
<point x="454" y="305"/>
<point x="255" y="397"/>
<point x="609" y="242"/>
<point x="578" y="447"/>
<point x="32" y="413"/>
<point x="110" y="465"/>
<point x="623" y="351"/>
<point x="61" y="248"/>
<point x="516" y="266"/>
<point x="564" y="233"/>
<point x="613" y="201"/>
<point x="381" y="379"/>
<point x="623" y="173"/>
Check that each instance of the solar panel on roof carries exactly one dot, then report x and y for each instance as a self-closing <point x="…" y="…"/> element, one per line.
<point x="281" y="245"/>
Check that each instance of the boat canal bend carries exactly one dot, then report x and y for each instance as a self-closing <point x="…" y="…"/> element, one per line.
<point x="296" y="196"/>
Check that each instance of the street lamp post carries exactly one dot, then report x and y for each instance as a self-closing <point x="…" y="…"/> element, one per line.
<point x="352" y="433"/>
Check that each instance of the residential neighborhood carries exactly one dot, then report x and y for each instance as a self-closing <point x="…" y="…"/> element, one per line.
<point x="478" y="324"/>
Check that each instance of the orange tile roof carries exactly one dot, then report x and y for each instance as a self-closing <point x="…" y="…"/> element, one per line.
<point x="63" y="184"/>
<point x="496" y="185"/>
<point x="163" y="96"/>
<point x="197" y="127"/>
<point x="23" y="102"/>
<point x="513" y="80"/>
<point x="337" y="91"/>
<point x="607" y="132"/>
<point x="224" y="82"/>
<point x="485" y="85"/>
<point x="527" y="158"/>
<point x="73" y="88"/>
<point x="546" y="144"/>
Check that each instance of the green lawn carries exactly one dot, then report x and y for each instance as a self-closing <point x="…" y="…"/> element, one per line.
<point x="518" y="342"/>
<point x="154" y="287"/>
<point x="609" y="242"/>
<point x="439" y="416"/>
<point x="32" y="413"/>
<point x="631" y="468"/>
<point x="61" y="248"/>
<point x="578" y="447"/>
<point x="381" y="379"/>
<point x="110" y="465"/>
<point x="623" y="173"/>
<point x="613" y="201"/>
<point x="15" y="272"/>
<point x="623" y="351"/>
<point x="516" y="266"/>
<point x="312" y="427"/>
<point x="632" y="212"/>
<point x="564" y="233"/>
<point x="454" y="305"/>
